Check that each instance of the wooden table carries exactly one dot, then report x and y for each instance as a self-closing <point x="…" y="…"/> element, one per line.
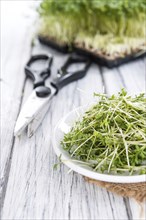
<point x="30" y="188"/>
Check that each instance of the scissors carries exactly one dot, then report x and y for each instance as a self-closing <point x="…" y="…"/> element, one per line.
<point x="37" y="104"/>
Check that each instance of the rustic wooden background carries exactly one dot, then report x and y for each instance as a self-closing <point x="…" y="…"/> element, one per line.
<point x="30" y="188"/>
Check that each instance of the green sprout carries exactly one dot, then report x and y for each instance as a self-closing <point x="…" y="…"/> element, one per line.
<point x="110" y="27"/>
<point x="111" y="136"/>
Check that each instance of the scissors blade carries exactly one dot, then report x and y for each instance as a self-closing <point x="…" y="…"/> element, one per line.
<point x="34" y="124"/>
<point x="31" y="108"/>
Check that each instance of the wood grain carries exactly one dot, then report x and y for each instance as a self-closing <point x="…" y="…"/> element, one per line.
<point x="31" y="188"/>
<point x="15" y="50"/>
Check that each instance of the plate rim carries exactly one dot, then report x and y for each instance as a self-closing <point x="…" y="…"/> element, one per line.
<point x="89" y="173"/>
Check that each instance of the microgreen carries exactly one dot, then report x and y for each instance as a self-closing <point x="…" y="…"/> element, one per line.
<point x="109" y="26"/>
<point x="111" y="136"/>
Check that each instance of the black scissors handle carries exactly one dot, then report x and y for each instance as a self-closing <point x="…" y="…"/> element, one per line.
<point x="39" y="77"/>
<point x="65" y="76"/>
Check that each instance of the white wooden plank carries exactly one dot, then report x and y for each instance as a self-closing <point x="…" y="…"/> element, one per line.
<point x="15" y="49"/>
<point x="134" y="76"/>
<point x="112" y="80"/>
<point x="138" y="209"/>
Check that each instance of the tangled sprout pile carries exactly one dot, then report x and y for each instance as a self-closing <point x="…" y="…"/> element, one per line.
<point x="111" y="136"/>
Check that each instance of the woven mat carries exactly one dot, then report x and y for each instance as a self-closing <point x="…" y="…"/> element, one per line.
<point x="133" y="190"/>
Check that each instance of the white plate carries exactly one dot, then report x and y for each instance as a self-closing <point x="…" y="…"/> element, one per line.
<point x="63" y="127"/>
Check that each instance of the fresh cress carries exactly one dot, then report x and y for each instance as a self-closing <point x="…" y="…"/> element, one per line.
<point x="111" y="136"/>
